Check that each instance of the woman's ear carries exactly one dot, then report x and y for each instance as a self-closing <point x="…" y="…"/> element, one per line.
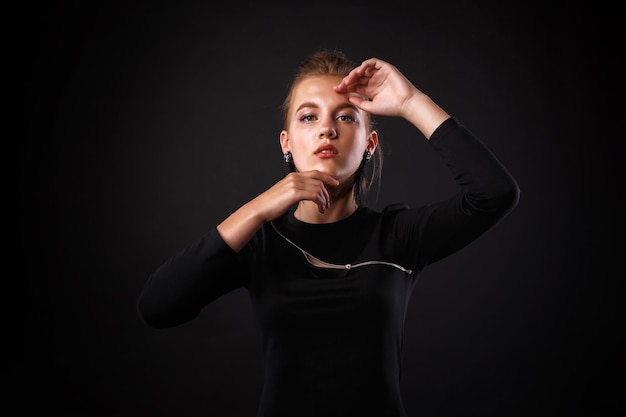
<point x="372" y="142"/>
<point x="284" y="141"/>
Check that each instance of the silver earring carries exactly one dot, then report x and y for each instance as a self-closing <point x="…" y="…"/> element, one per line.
<point x="287" y="157"/>
<point x="367" y="156"/>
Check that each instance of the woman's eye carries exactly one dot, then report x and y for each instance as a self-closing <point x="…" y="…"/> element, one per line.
<point x="346" y="118"/>
<point x="307" y="118"/>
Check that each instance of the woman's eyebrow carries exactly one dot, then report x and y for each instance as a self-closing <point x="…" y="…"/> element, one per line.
<point x="316" y="106"/>
<point x="348" y="106"/>
<point x="307" y="104"/>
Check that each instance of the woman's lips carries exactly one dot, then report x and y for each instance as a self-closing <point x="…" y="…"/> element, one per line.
<point x="326" y="151"/>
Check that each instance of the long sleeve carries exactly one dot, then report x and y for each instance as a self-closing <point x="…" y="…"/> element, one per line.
<point x="177" y="291"/>
<point x="487" y="194"/>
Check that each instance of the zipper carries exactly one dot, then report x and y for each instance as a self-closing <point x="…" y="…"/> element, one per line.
<point x="323" y="264"/>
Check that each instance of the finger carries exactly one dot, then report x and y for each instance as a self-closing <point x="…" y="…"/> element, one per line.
<point x="370" y="70"/>
<point x="364" y="80"/>
<point x="322" y="208"/>
<point x="317" y="193"/>
<point x="325" y="182"/>
<point x="347" y="84"/>
<point x="364" y="103"/>
<point x="352" y="79"/>
<point x="327" y="179"/>
<point x="312" y="186"/>
<point x="356" y="85"/>
<point x="373" y="63"/>
<point x="326" y="202"/>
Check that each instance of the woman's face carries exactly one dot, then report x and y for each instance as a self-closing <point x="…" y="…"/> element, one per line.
<point x="325" y="131"/>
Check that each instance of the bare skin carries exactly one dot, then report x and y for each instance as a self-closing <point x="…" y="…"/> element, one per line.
<point x="390" y="93"/>
<point x="327" y="133"/>
<point x="328" y="112"/>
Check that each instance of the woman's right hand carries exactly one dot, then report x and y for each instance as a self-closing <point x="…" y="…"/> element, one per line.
<point x="239" y="227"/>
<point x="293" y="188"/>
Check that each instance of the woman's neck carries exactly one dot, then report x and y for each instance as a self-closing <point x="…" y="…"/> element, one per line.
<point x="341" y="207"/>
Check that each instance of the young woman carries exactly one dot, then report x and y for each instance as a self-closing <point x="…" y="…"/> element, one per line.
<point x="330" y="279"/>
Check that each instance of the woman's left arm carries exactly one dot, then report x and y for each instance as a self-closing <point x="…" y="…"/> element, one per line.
<point x="487" y="190"/>
<point x="380" y="88"/>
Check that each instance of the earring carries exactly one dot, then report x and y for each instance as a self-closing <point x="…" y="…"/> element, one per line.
<point x="367" y="156"/>
<point x="287" y="157"/>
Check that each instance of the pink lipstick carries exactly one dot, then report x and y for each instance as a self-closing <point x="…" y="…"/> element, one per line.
<point x="326" y="151"/>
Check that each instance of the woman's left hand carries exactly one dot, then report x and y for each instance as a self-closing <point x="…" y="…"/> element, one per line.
<point x="379" y="88"/>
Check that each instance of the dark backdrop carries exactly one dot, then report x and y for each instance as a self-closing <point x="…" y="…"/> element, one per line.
<point x="144" y="124"/>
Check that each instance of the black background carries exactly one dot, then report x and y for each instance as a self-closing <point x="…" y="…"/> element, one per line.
<point x="143" y="124"/>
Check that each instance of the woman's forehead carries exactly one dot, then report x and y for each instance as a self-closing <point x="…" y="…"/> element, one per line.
<point x="317" y="83"/>
<point x="317" y="89"/>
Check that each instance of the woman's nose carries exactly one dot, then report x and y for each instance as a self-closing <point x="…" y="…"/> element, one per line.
<point x="328" y="132"/>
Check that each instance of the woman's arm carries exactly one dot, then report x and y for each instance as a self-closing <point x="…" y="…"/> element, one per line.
<point x="178" y="290"/>
<point x="239" y="227"/>
<point x="487" y="190"/>
<point x="380" y="88"/>
<point x="212" y="266"/>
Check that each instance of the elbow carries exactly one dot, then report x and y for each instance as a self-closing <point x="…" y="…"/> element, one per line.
<point x="499" y="201"/>
<point x="505" y="195"/>
<point x="509" y="197"/>
<point x="504" y="201"/>
<point x="514" y="194"/>
<point x="148" y="316"/>
<point x="152" y="316"/>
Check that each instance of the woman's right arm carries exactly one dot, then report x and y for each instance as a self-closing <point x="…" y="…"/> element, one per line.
<point x="239" y="227"/>
<point x="212" y="266"/>
<point x="178" y="289"/>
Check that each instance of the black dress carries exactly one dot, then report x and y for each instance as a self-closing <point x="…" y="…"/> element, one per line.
<point x="330" y="299"/>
